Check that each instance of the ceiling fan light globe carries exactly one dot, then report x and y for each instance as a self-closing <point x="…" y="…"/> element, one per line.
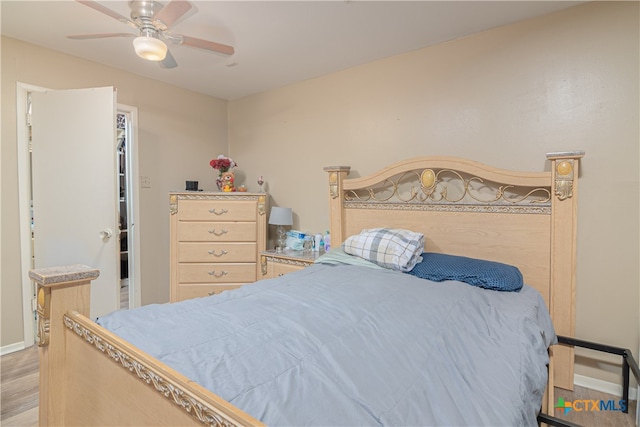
<point x="150" y="48"/>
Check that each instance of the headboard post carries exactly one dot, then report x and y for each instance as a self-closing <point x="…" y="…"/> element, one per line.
<point x="564" y="202"/>
<point x="336" y="174"/>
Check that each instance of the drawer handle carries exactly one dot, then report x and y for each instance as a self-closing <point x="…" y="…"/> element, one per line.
<point x="218" y="234"/>
<point x="213" y="252"/>
<point x="222" y="211"/>
<point x="214" y="274"/>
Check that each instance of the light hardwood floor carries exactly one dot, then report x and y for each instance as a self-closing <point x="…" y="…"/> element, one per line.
<point x="19" y="388"/>
<point x="19" y="382"/>
<point x="19" y="396"/>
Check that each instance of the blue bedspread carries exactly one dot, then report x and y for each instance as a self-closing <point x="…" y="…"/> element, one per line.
<point x="343" y="345"/>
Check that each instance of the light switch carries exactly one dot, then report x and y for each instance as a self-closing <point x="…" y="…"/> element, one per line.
<point x="145" y="182"/>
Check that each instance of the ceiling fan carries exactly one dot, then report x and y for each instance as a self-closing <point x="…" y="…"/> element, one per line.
<point x="153" y="22"/>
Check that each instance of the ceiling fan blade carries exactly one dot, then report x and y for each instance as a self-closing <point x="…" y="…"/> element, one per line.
<point x="169" y="61"/>
<point x="99" y="36"/>
<point x="173" y="11"/>
<point x="206" y="44"/>
<point x="100" y="8"/>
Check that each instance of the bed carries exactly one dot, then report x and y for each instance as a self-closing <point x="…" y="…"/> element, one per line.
<point x="93" y="376"/>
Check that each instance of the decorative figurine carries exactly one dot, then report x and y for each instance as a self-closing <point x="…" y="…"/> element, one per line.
<point x="227" y="181"/>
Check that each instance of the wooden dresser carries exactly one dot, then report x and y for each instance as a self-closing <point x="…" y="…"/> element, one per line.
<point x="216" y="241"/>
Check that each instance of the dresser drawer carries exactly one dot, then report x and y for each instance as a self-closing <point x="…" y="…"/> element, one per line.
<point x="196" y="291"/>
<point x="217" y="252"/>
<point x="217" y="231"/>
<point x="217" y="273"/>
<point x="217" y="210"/>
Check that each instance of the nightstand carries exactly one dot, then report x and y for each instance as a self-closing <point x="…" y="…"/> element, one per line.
<point x="276" y="264"/>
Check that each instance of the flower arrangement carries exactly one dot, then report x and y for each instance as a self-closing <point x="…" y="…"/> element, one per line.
<point x="222" y="163"/>
<point x="225" y="179"/>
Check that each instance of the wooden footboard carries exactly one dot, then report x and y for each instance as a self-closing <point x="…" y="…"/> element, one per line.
<point x="89" y="376"/>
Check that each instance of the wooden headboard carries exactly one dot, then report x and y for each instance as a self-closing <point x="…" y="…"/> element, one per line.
<point x="526" y="219"/>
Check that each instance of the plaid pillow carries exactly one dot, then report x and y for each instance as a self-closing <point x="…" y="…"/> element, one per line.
<point x="391" y="248"/>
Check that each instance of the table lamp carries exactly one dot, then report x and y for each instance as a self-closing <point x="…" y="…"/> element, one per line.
<point x="281" y="217"/>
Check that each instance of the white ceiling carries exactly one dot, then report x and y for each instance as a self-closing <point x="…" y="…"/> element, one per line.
<point x="276" y="43"/>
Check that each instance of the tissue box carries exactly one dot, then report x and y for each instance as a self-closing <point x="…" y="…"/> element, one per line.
<point x="295" y="240"/>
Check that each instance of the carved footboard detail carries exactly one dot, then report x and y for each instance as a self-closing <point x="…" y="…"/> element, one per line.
<point x="90" y="376"/>
<point x="199" y="410"/>
<point x="43" y="308"/>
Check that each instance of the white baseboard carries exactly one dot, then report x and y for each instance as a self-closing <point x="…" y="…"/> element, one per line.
<point x="12" y="348"/>
<point x="603" y="386"/>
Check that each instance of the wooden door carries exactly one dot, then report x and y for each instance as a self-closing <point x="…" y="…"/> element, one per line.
<point x="75" y="186"/>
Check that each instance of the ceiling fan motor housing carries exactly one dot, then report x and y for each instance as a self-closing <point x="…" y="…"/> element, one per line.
<point x="142" y="9"/>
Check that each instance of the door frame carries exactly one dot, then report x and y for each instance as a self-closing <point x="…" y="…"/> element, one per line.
<point x="133" y="208"/>
<point x="24" y="201"/>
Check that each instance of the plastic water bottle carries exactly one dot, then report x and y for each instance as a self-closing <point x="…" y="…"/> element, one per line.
<point x="327" y="242"/>
<point x="308" y="243"/>
<point x="317" y="243"/>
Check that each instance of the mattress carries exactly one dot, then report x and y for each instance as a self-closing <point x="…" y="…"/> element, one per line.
<point x="346" y="345"/>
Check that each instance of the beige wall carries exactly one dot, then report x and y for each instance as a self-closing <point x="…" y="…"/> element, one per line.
<point x="179" y="132"/>
<point x="504" y="97"/>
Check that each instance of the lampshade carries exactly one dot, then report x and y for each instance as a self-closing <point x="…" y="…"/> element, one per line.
<point x="150" y="48"/>
<point x="280" y="216"/>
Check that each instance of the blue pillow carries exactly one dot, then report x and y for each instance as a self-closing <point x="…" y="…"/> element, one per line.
<point x="476" y="272"/>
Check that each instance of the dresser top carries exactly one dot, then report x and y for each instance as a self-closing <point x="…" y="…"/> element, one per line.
<point x="306" y="256"/>
<point x="215" y="193"/>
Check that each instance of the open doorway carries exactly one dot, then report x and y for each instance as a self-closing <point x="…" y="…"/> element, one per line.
<point x="26" y="200"/>
<point x="127" y="206"/>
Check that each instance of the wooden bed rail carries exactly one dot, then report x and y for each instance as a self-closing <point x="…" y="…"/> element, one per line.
<point x="89" y="376"/>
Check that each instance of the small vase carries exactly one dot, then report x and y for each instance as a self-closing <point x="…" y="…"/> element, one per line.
<point x="219" y="182"/>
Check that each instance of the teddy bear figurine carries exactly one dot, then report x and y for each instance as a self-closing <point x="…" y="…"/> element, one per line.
<point x="227" y="182"/>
